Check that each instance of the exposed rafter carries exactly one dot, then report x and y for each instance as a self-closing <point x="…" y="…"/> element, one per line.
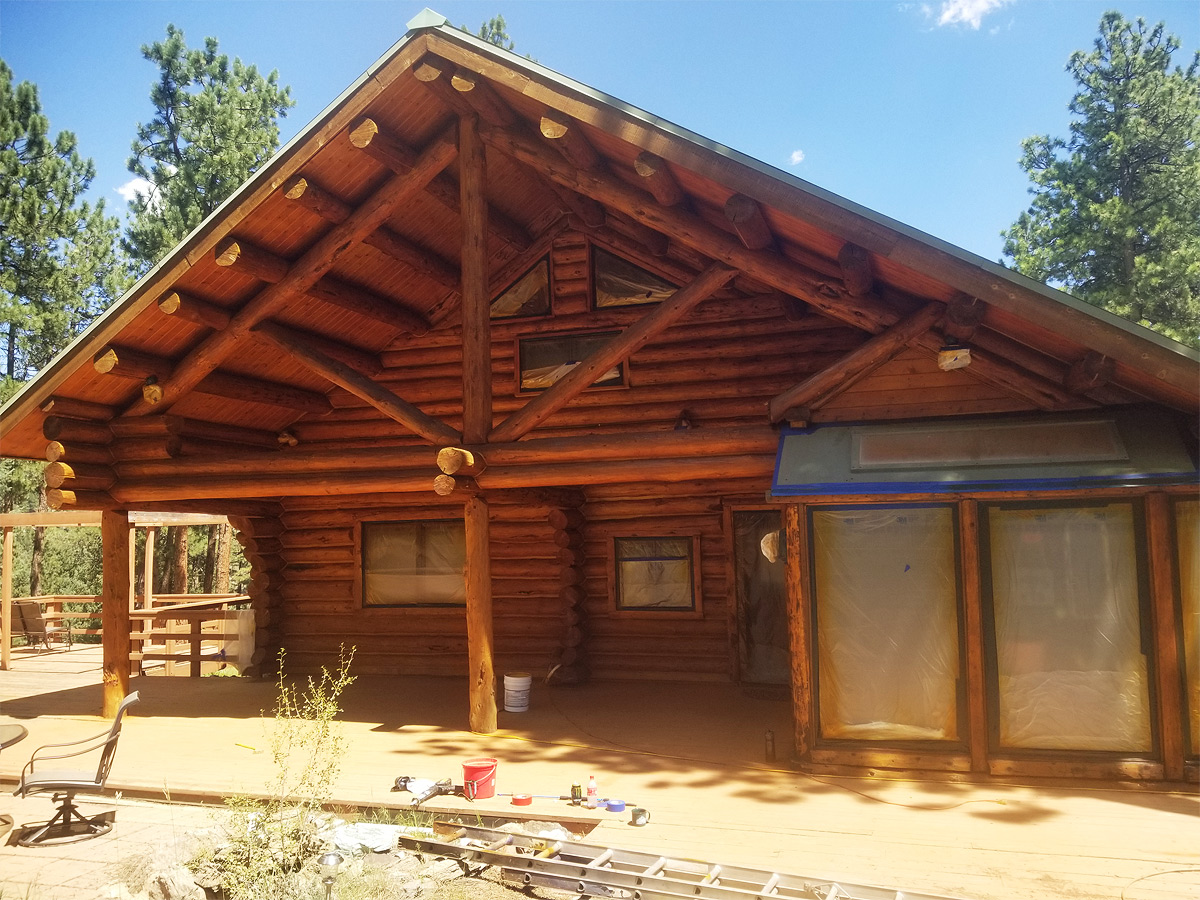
<point x="305" y="271"/>
<point x="194" y="310"/>
<point x="361" y="386"/>
<point x="857" y="364"/>
<point x="857" y="272"/>
<point x="385" y="148"/>
<point x="657" y="179"/>
<point x="746" y="217"/>
<point x="266" y="266"/>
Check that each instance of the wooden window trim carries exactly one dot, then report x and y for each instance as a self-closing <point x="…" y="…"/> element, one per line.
<point x="358" y="588"/>
<point x="934" y="755"/>
<point x="524" y="392"/>
<point x="665" y="614"/>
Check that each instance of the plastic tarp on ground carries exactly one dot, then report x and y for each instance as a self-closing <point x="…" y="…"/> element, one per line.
<point x="1068" y="633"/>
<point x="887" y="623"/>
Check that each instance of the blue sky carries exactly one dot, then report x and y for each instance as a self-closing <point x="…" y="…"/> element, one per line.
<point x="913" y="109"/>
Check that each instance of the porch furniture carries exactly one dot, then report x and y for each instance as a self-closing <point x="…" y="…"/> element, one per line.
<point x="30" y="621"/>
<point x="9" y="735"/>
<point x="68" y="824"/>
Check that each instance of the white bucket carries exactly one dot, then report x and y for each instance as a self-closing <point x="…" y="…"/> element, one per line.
<point x="516" y="691"/>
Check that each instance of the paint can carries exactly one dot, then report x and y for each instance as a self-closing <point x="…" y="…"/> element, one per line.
<point x="638" y="816"/>
<point x="516" y="691"/>
<point x="479" y="778"/>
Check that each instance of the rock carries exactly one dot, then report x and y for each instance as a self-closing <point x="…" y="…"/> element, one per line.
<point x="174" y="884"/>
<point x="116" y="891"/>
<point x="445" y="869"/>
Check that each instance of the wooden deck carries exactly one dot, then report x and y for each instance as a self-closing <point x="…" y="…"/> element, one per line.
<point x="692" y="756"/>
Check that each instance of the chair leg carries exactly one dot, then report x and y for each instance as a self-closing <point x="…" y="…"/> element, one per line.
<point x="62" y="828"/>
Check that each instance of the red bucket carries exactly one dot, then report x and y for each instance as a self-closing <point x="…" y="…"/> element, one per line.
<point x="479" y="778"/>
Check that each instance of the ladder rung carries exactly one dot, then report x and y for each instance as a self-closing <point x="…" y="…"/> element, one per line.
<point x="657" y="866"/>
<point x="772" y="882"/>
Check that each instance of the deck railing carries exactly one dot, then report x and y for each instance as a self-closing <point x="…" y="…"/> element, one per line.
<point x="197" y="633"/>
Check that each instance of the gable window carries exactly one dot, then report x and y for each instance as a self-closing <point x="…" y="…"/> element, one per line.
<point x="544" y="360"/>
<point x="655" y="573"/>
<point x="414" y="563"/>
<point x="616" y="282"/>
<point x="528" y="296"/>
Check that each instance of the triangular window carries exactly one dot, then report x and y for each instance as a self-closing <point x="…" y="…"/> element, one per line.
<point x="618" y="282"/>
<point x="528" y="296"/>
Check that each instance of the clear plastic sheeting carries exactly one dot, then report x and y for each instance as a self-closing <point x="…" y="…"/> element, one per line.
<point x="621" y="283"/>
<point x="654" y="573"/>
<point x="758" y="552"/>
<point x="414" y="563"/>
<point x="887" y="623"/>
<point x="1187" y="534"/>
<point x="1068" y="639"/>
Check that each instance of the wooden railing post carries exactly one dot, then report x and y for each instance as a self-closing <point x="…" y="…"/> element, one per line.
<point x="6" y="596"/>
<point x="195" y="637"/>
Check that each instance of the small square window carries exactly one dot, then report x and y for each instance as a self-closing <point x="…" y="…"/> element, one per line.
<point x="528" y="296"/>
<point x="620" y="283"/>
<point x="545" y="360"/>
<point x="655" y="573"/>
<point x="414" y="563"/>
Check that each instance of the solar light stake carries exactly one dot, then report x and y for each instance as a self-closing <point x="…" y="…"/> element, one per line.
<point x="328" y="864"/>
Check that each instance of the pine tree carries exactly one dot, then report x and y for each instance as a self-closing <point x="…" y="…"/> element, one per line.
<point x="215" y="123"/>
<point x="1115" y="217"/>
<point x="58" y="262"/>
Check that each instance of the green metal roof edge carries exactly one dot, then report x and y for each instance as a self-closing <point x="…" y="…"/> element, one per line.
<point x="428" y="20"/>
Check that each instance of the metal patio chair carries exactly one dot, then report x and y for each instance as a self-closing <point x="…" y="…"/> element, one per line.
<point x="68" y="823"/>
<point x="35" y="627"/>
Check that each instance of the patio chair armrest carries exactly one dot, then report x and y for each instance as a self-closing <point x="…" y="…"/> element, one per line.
<point x="87" y="745"/>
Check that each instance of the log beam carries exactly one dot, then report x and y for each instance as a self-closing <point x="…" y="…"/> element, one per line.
<point x="829" y="297"/>
<point x="480" y="649"/>
<point x="658" y="180"/>
<point x="746" y="217"/>
<point x="583" y="375"/>
<point x="266" y="266"/>
<point x="1094" y="370"/>
<point x="347" y="378"/>
<point x="483" y="98"/>
<point x="832" y="380"/>
<point x="420" y="259"/>
<point x="307" y="270"/>
<point x="362" y="360"/>
<point x="191" y="309"/>
<point x="78" y="409"/>
<point x="857" y="272"/>
<point x="964" y="315"/>
<point x="78" y="476"/>
<point x="458" y="461"/>
<point x="476" y="299"/>
<point x="446" y="485"/>
<point x="566" y="136"/>
<point x="366" y="136"/>
<point x="116" y="538"/>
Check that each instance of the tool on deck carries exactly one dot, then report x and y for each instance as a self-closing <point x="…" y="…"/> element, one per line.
<point x="426" y="788"/>
<point x="591" y="870"/>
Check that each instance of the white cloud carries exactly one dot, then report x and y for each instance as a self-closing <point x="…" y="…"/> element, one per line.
<point x="135" y="187"/>
<point x="797" y="157"/>
<point x="966" y="12"/>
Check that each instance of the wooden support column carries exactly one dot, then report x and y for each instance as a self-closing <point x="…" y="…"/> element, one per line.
<point x="114" y="615"/>
<point x="476" y="311"/>
<point x="481" y="675"/>
<point x="800" y="638"/>
<point x="6" y="596"/>
<point x="148" y="568"/>
<point x="976" y="686"/>
<point x="1167" y="670"/>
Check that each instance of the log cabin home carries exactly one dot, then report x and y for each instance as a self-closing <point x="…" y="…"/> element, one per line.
<point x="495" y="372"/>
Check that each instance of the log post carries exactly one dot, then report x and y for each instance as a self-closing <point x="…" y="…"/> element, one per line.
<point x="481" y="675"/>
<point x="976" y="678"/>
<point x="476" y="311"/>
<point x="148" y="568"/>
<point x="1166" y="642"/>
<point x="117" y="555"/>
<point x="800" y="627"/>
<point x="6" y="596"/>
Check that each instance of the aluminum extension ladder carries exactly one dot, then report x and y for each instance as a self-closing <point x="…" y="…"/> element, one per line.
<point x="591" y="870"/>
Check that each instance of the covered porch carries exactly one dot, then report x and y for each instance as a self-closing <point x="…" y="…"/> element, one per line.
<point x="695" y="760"/>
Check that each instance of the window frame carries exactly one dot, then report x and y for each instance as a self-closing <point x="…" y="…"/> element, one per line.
<point x="360" y="584"/>
<point x="593" y="296"/>
<point x="521" y="317"/>
<point x="696" y="611"/>
<point x="518" y="367"/>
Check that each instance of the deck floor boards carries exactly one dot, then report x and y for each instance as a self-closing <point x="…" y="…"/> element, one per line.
<point x="691" y="755"/>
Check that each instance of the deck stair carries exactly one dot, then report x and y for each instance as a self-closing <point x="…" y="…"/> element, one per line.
<point x="592" y="870"/>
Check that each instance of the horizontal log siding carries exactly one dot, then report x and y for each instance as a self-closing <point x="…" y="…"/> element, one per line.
<point x="321" y="592"/>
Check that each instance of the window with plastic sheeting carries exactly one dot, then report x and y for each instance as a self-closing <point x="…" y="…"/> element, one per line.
<point x="886" y="604"/>
<point x="1187" y="535"/>
<point x="542" y="361"/>
<point x="414" y="563"/>
<point x="620" y="283"/>
<point x="759" y="549"/>
<point x="1067" y="658"/>
<point x="528" y="296"/>
<point x="655" y="574"/>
